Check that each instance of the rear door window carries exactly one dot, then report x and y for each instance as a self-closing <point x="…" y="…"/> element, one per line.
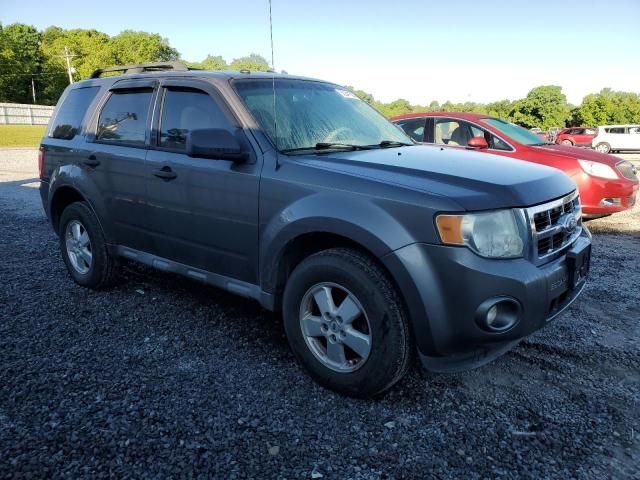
<point x="68" y="121"/>
<point x="123" y="119"/>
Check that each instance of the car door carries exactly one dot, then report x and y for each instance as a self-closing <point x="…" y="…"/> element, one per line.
<point x="204" y="211"/>
<point x="116" y="148"/>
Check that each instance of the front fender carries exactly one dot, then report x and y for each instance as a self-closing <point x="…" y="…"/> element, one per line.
<point x="356" y="218"/>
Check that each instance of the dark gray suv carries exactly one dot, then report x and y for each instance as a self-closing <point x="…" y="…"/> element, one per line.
<point x="295" y="193"/>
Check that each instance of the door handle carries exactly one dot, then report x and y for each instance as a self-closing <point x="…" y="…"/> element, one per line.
<point x="165" y="173"/>
<point x="91" y="161"/>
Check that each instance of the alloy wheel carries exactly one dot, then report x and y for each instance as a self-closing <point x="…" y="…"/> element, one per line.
<point x="335" y="327"/>
<point x="78" y="247"/>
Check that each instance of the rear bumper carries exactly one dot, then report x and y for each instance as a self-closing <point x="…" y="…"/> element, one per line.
<point x="44" y="196"/>
<point x="445" y="286"/>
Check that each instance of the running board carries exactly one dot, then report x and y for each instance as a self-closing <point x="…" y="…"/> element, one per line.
<point x="238" y="287"/>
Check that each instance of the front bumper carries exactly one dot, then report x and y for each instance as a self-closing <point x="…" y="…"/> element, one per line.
<point x="444" y="286"/>
<point x="594" y="190"/>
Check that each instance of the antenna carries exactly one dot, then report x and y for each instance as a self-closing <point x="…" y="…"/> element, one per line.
<point x="273" y="83"/>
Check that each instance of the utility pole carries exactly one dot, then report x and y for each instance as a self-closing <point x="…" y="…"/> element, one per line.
<point x="67" y="56"/>
<point x="33" y="90"/>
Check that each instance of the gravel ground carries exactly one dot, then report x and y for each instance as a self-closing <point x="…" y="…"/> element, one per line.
<point x="163" y="377"/>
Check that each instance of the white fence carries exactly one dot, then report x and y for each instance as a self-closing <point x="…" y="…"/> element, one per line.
<point x="24" y="114"/>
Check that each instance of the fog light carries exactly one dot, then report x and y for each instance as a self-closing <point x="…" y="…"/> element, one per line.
<point x="498" y="314"/>
<point x="611" y="202"/>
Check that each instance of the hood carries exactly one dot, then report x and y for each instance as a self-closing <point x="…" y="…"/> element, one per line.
<point x="577" y="153"/>
<point x="474" y="180"/>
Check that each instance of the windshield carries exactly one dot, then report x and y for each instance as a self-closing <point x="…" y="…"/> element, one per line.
<point x="316" y="116"/>
<point x="514" y="132"/>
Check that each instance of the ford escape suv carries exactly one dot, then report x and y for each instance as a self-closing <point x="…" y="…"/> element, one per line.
<point x="297" y="194"/>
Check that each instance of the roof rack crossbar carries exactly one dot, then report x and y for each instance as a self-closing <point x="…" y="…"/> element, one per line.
<point x="143" y="67"/>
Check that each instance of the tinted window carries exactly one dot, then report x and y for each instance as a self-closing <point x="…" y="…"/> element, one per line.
<point x="615" y="130"/>
<point x="184" y="111"/>
<point x="68" y="121"/>
<point x="514" y="132"/>
<point x="124" y="117"/>
<point x="413" y="127"/>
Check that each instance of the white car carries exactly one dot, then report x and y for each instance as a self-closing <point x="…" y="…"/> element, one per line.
<point x="610" y="138"/>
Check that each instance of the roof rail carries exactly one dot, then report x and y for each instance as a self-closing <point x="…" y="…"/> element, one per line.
<point x="142" y="67"/>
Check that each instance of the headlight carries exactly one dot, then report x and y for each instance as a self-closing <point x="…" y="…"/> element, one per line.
<point x="598" y="169"/>
<point x="489" y="234"/>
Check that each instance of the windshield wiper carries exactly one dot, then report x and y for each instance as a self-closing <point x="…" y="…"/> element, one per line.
<point x="327" y="146"/>
<point x="341" y="146"/>
<point x="394" y="143"/>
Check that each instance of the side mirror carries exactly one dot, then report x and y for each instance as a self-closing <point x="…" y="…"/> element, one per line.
<point x="477" y="142"/>
<point x="215" y="143"/>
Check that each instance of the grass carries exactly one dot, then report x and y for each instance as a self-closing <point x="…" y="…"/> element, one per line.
<point x="21" y="135"/>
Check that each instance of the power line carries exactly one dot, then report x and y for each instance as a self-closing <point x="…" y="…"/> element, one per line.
<point x="31" y="74"/>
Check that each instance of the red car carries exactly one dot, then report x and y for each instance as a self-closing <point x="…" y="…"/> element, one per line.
<point x="576" y="136"/>
<point x="607" y="184"/>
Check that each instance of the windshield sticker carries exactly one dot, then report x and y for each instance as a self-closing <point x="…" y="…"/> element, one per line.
<point x="346" y="93"/>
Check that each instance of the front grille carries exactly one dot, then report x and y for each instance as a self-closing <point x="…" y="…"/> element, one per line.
<point x="627" y="170"/>
<point x="554" y="226"/>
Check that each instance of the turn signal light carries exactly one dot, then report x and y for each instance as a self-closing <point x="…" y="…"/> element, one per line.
<point x="450" y="229"/>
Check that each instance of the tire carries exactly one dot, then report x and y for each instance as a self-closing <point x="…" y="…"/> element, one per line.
<point x="84" y="249"/>
<point x="567" y="142"/>
<point x="603" y="147"/>
<point x="353" y="281"/>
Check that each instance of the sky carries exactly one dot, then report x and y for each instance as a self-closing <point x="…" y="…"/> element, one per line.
<point x="457" y="50"/>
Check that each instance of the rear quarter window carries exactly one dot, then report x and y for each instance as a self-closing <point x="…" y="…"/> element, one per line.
<point x="68" y="121"/>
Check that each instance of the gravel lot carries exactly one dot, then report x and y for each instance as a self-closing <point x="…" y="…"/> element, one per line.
<point x="163" y="377"/>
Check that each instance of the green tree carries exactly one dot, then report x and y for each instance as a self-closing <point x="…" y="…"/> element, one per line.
<point x="543" y="107"/>
<point x="20" y="58"/>
<point x="397" y="107"/>
<point x="130" y="47"/>
<point x="608" y="107"/>
<point x="253" y="62"/>
<point x="211" y="63"/>
<point x="501" y="109"/>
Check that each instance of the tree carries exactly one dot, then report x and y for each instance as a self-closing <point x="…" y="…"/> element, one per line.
<point x="397" y="107"/>
<point x="130" y="47"/>
<point x="608" y="107"/>
<point x="20" y="58"/>
<point x="543" y="107"/>
<point x="254" y="63"/>
<point x="212" y="63"/>
<point x="501" y="109"/>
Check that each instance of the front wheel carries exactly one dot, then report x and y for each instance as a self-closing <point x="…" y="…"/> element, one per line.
<point x="603" y="147"/>
<point x="346" y="324"/>
<point x="567" y="142"/>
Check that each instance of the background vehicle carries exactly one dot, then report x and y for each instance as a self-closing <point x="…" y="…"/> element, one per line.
<point x="368" y="244"/>
<point x="617" y="138"/>
<point x="539" y="132"/>
<point x="607" y="184"/>
<point x="576" y="136"/>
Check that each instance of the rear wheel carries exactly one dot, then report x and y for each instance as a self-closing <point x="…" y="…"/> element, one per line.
<point x="603" y="147"/>
<point x="346" y="324"/>
<point x="84" y="249"/>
